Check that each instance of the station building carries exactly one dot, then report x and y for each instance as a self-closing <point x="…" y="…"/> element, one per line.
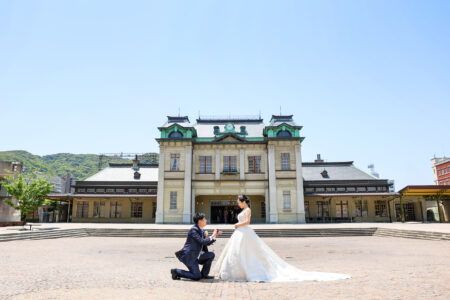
<point x="203" y="167"/>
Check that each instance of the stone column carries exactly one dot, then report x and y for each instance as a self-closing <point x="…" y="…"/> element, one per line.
<point x="217" y="164"/>
<point x="192" y="205"/>
<point x="242" y="164"/>
<point x="299" y="179"/>
<point x="267" y="205"/>
<point x="160" y="196"/>
<point x="273" y="214"/>
<point x="187" y="184"/>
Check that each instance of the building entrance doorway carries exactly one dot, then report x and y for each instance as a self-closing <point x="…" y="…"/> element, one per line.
<point x="224" y="211"/>
<point x="408" y="209"/>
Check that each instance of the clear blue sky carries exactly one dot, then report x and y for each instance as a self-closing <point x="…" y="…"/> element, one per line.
<point x="368" y="80"/>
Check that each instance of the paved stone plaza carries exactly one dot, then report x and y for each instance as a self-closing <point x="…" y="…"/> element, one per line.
<point x="138" y="268"/>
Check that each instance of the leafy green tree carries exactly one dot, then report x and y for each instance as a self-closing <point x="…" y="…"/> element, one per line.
<point x="29" y="191"/>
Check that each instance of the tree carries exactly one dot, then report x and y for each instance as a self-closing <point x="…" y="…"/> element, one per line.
<point x="29" y="191"/>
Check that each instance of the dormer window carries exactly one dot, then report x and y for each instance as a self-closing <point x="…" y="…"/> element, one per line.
<point x="175" y="135"/>
<point x="243" y="130"/>
<point x="137" y="175"/>
<point x="284" y="133"/>
<point x="324" y="174"/>
<point x="216" y="130"/>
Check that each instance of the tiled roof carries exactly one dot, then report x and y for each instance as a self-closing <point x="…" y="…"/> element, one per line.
<point x="125" y="174"/>
<point x="280" y="119"/>
<point x="338" y="171"/>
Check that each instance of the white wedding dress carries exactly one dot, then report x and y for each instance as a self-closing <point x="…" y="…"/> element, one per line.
<point x="246" y="257"/>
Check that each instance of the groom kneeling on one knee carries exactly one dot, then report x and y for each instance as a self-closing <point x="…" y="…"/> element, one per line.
<point x="196" y="242"/>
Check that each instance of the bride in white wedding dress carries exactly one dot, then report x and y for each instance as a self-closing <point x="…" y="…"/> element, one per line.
<point x="246" y="257"/>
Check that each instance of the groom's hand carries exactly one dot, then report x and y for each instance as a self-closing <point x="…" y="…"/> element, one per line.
<point x="216" y="233"/>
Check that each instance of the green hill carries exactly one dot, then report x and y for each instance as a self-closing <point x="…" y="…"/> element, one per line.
<point x="80" y="166"/>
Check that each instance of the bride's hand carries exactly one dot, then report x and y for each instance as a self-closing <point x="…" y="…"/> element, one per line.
<point x="236" y="226"/>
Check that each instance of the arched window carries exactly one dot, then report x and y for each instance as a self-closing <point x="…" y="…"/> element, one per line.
<point x="284" y="133"/>
<point x="175" y="135"/>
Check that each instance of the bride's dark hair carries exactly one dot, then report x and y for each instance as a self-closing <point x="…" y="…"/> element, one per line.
<point x="244" y="198"/>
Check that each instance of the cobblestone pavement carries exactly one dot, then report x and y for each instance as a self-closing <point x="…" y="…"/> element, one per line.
<point x="139" y="268"/>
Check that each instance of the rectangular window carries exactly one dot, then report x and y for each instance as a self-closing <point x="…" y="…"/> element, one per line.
<point x="153" y="210"/>
<point x="380" y="208"/>
<point x="351" y="189"/>
<point x="408" y="210"/>
<point x="81" y="190"/>
<point x="173" y="200"/>
<point x="136" y="209"/>
<point x="205" y="164"/>
<point x="263" y="209"/>
<point x="90" y="190"/>
<point x="307" y="209"/>
<point x="322" y="209"/>
<point x="361" y="208"/>
<point x="254" y="164"/>
<point x="341" y="209"/>
<point x="340" y="189"/>
<point x="371" y="189"/>
<point x="120" y="191"/>
<point x="229" y="164"/>
<point x="102" y="191"/>
<point x="110" y="191"/>
<point x="115" y="209"/>
<point x="361" y="189"/>
<point x="142" y="191"/>
<point x="99" y="209"/>
<point x="174" y="162"/>
<point x="286" y="200"/>
<point x="132" y="191"/>
<point x="285" y="162"/>
<point x="82" y="209"/>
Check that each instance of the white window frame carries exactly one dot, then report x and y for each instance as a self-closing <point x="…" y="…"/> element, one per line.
<point x="173" y="200"/>
<point x="286" y="200"/>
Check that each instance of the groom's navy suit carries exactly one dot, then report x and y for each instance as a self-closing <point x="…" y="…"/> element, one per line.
<point x="189" y="255"/>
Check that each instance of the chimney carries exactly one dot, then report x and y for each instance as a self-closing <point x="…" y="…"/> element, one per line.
<point x="318" y="160"/>
<point x="136" y="163"/>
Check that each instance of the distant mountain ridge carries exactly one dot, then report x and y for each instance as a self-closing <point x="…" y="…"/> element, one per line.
<point x="80" y="166"/>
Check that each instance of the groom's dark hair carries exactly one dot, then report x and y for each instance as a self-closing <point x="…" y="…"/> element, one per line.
<point x="198" y="217"/>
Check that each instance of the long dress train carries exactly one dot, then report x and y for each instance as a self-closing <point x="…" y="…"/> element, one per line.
<point x="246" y="257"/>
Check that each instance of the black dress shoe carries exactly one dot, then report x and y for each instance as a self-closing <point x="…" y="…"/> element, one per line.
<point x="174" y="274"/>
<point x="208" y="277"/>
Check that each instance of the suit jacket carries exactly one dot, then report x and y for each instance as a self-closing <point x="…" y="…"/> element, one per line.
<point x="195" y="242"/>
